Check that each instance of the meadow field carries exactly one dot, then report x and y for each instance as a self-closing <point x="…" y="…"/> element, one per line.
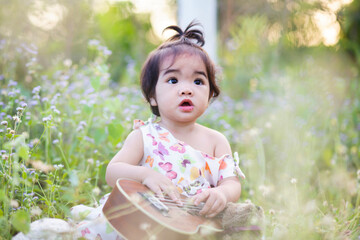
<point x="291" y="113"/>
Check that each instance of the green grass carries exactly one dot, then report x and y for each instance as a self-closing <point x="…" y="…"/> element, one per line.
<point x="294" y="122"/>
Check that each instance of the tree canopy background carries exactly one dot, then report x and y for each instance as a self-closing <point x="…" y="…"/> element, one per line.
<point x="289" y="74"/>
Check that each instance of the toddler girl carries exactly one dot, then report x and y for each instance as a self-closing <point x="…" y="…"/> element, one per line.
<point x="176" y="155"/>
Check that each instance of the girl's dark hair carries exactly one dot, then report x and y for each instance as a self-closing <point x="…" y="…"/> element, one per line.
<point x="188" y="41"/>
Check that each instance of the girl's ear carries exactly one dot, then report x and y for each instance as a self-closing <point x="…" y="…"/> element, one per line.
<point x="153" y="102"/>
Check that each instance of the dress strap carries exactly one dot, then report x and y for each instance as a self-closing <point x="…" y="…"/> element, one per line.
<point x="237" y="168"/>
<point x="138" y="123"/>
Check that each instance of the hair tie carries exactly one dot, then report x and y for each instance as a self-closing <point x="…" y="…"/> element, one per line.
<point x="187" y="36"/>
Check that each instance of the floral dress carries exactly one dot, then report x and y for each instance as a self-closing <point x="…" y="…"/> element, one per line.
<point x="189" y="169"/>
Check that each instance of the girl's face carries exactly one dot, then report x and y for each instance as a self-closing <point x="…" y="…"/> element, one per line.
<point x="182" y="90"/>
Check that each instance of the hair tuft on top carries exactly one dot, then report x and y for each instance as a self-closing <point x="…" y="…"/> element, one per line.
<point x="189" y="35"/>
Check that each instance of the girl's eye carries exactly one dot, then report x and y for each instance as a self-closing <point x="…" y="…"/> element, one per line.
<point x="199" y="82"/>
<point x="172" y="81"/>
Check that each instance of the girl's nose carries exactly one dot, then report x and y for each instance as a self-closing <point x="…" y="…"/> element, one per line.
<point x="185" y="92"/>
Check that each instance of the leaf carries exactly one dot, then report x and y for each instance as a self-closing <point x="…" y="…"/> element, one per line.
<point x="95" y="82"/>
<point x="99" y="135"/>
<point x="24" y="152"/>
<point x="48" y="181"/>
<point x="115" y="132"/>
<point x="8" y="135"/>
<point x="21" y="221"/>
<point x="73" y="178"/>
<point x="3" y="195"/>
<point x="87" y="109"/>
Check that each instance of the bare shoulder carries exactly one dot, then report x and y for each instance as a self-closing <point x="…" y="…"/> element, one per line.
<point x="135" y="135"/>
<point x="217" y="139"/>
<point x="134" y="140"/>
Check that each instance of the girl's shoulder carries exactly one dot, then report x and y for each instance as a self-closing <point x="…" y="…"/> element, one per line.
<point x="135" y="136"/>
<point x="211" y="133"/>
<point x="218" y="140"/>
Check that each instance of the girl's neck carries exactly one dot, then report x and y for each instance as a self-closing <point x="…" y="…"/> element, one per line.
<point x="178" y="128"/>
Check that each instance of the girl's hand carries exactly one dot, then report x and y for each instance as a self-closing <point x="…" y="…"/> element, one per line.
<point x="215" y="201"/>
<point x="160" y="184"/>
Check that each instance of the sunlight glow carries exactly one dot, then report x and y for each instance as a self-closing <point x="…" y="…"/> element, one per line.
<point x="162" y="14"/>
<point x="46" y="16"/>
<point x="329" y="27"/>
<point x="335" y="5"/>
<point x="100" y="6"/>
<point x="327" y="22"/>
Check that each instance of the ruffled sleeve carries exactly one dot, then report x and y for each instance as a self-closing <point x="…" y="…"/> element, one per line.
<point x="138" y="123"/>
<point x="229" y="167"/>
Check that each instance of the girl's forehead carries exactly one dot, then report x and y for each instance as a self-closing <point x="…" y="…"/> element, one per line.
<point x="172" y="59"/>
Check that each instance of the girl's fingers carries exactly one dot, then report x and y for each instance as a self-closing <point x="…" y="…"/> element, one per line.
<point x="208" y="205"/>
<point x="215" y="209"/>
<point x="173" y="196"/>
<point x="201" y="197"/>
<point x="172" y="192"/>
<point x="159" y="193"/>
<point x="213" y="204"/>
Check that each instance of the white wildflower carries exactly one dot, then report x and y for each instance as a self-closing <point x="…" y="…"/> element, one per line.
<point x="268" y="124"/>
<point x="67" y="62"/>
<point x="96" y="191"/>
<point x="26" y="135"/>
<point x="254" y="132"/>
<point x="14" y="203"/>
<point x="58" y="166"/>
<point x="16" y="119"/>
<point x="35" y="211"/>
<point x="265" y="190"/>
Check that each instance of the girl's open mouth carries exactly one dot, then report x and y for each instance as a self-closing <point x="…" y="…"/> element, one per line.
<point x="186" y="105"/>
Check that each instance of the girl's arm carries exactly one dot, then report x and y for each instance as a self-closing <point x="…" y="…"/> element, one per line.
<point x="227" y="190"/>
<point x="125" y="164"/>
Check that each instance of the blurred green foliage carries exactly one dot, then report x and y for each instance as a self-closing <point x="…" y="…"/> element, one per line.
<point x="350" y="21"/>
<point x="291" y="111"/>
<point x="124" y="33"/>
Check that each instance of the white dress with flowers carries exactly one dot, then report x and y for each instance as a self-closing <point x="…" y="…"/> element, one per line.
<point x="189" y="169"/>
